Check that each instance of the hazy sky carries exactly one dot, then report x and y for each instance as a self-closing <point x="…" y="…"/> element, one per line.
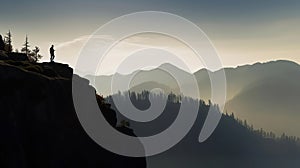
<point x="242" y="31"/>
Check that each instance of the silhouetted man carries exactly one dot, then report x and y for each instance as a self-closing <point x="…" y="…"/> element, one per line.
<point x="52" y="56"/>
<point x="2" y="45"/>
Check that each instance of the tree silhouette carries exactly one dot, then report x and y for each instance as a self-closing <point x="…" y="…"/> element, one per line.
<point x="8" y="42"/>
<point x="26" y="46"/>
<point x="2" y="44"/>
<point x="35" y="56"/>
<point x="141" y="101"/>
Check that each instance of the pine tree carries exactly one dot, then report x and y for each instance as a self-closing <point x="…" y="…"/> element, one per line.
<point x="35" y="56"/>
<point x="26" y="46"/>
<point x="245" y="124"/>
<point x="232" y="115"/>
<point x="8" y="42"/>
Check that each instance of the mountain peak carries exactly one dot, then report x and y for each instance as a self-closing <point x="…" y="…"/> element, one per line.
<point x="170" y="66"/>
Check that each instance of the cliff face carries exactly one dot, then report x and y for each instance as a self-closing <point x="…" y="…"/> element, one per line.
<point x="38" y="123"/>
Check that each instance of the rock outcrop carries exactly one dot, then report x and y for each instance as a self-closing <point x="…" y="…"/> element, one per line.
<point x="38" y="123"/>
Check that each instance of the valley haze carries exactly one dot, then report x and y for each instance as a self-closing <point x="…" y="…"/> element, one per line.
<point x="265" y="94"/>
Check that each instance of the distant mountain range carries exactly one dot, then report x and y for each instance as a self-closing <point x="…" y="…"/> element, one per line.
<point x="265" y="94"/>
<point x="40" y="127"/>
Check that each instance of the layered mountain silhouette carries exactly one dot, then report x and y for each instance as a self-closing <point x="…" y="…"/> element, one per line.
<point x="39" y="126"/>
<point x="266" y="94"/>
<point x="234" y="143"/>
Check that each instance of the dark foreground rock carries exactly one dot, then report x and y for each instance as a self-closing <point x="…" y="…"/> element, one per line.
<point x="38" y="124"/>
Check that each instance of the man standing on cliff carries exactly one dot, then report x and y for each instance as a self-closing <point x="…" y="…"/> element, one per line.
<point x="52" y="56"/>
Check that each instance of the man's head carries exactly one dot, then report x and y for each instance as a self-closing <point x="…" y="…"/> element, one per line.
<point x="52" y="46"/>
